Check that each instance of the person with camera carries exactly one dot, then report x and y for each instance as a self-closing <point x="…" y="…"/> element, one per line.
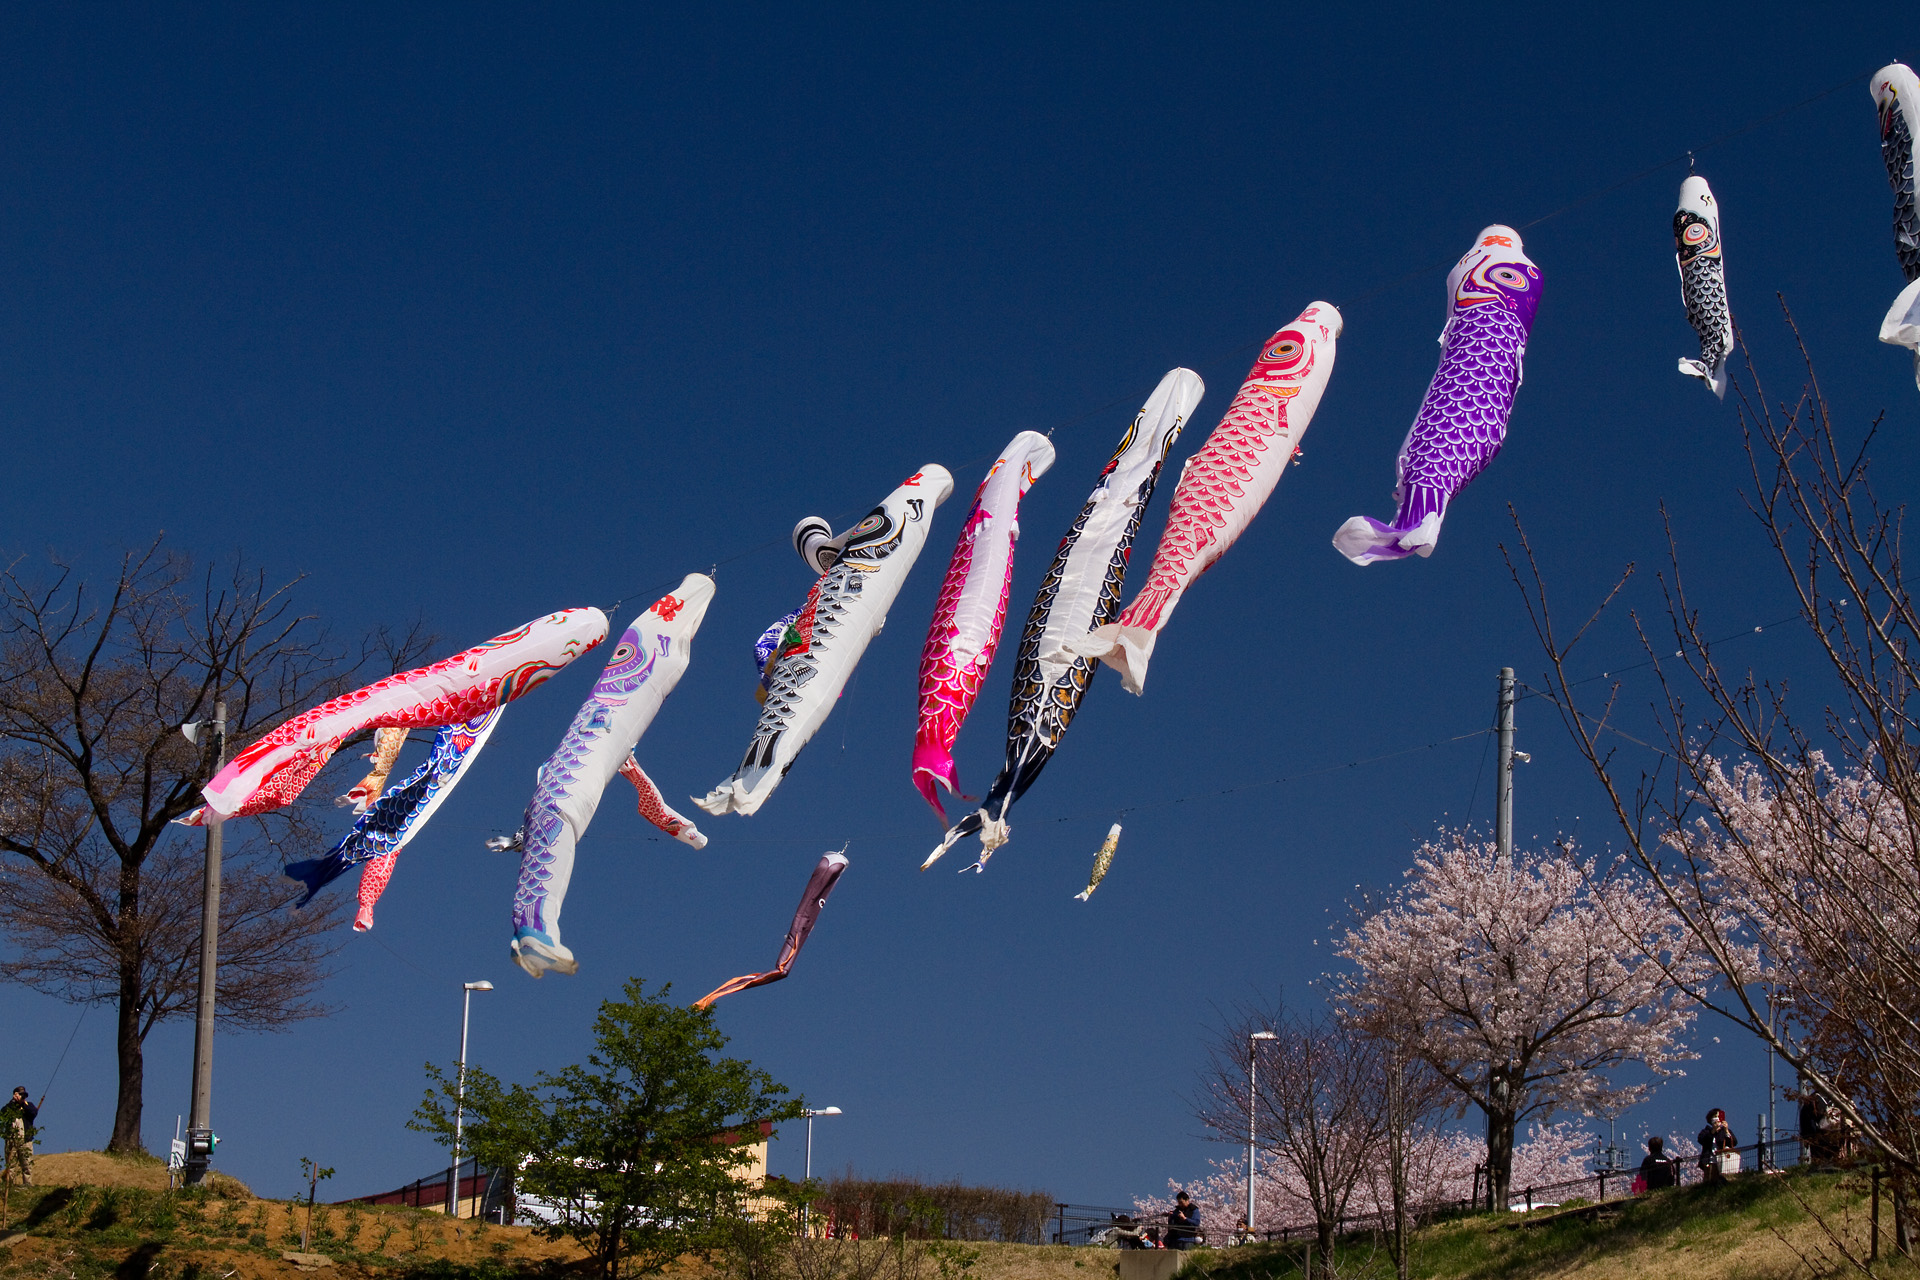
<point x="1719" y="1149"/>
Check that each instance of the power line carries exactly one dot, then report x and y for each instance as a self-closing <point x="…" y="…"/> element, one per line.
<point x="1423" y="271"/>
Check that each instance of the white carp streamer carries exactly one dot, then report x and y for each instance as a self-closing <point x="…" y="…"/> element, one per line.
<point x="843" y="613"/>
<point x="646" y="665"/>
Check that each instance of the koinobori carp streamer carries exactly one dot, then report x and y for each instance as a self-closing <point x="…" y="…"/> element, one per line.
<point x="843" y="612"/>
<point x="272" y="772"/>
<point x="1896" y="96"/>
<point x="1492" y="295"/>
<point x="1080" y="592"/>
<point x="643" y="670"/>
<point x="971" y="612"/>
<point x="826" y="874"/>
<point x="375" y="841"/>
<point x="1224" y="484"/>
<point x="1703" y="282"/>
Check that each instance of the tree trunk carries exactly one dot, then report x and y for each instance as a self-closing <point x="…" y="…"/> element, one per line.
<point x="1500" y="1126"/>
<point x="1323" y="1230"/>
<point x="131" y="1055"/>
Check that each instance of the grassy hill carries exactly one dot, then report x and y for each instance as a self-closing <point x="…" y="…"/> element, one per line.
<point x="96" y="1217"/>
<point x="1753" y="1228"/>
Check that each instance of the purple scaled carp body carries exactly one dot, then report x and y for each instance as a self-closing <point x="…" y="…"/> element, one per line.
<point x="1492" y="295"/>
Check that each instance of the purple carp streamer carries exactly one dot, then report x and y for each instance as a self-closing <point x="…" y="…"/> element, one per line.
<point x="1080" y="592"/>
<point x="645" y="666"/>
<point x="1101" y="862"/>
<point x="971" y="611"/>
<point x="1492" y="295"/>
<point x="819" y="885"/>
<point x="377" y="836"/>
<point x="1896" y="95"/>
<point x="843" y="613"/>
<point x="1703" y="282"/>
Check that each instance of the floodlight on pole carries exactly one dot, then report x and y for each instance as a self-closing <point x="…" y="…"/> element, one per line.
<point x="1252" y="1059"/>
<point x="811" y="1113"/>
<point x="460" y="1094"/>
<point x="200" y="1136"/>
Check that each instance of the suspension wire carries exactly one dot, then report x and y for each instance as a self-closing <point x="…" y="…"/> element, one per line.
<point x="63" y="1055"/>
<point x="1425" y="270"/>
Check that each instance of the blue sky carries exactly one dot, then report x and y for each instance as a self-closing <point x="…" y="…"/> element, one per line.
<point x="474" y="313"/>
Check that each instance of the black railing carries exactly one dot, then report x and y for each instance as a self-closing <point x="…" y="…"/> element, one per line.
<point x="1078" y="1223"/>
<point x="1598" y="1186"/>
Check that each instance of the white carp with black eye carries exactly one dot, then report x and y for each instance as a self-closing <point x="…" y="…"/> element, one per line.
<point x="1703" y="282"/>
<point x="844" y="612"/>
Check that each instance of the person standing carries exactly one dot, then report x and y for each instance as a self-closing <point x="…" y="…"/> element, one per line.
<point x="1716" y="1140"/>
<point x="16" y="1120"/>
<point x="1657" y="1170"/>
<point x="1183" y="1223"/>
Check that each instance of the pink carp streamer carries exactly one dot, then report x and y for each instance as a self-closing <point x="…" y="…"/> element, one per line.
<point x="825" y="875"/>
<point x="272" y="772"/>
<point x="386" y="750"/>
<point x="971" y="612"/>
<point x="1225" y="483"/>
<point x="656" y="810"/>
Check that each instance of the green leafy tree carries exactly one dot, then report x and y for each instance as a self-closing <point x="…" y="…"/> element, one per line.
<point x="636" y="1152"/>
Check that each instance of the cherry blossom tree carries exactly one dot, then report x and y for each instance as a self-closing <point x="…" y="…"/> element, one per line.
<point x="1320" y="1104"/>
<point x="1524" y="982"/>
<point x="1780" y="824"/>
<point x="1445" y="1164"/>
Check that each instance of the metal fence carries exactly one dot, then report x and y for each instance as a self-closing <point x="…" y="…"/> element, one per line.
<point x="1600" y="1185"/>
<point x="1077" y="1223"/>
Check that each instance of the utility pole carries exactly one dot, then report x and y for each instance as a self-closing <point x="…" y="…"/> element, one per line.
<point x="1503" y="787"/>
<point x="200" y="1139"/>
<point x="1499" y="1074"/>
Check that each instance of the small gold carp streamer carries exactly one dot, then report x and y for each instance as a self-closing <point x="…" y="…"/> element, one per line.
<point x="386" y="750"/>
<point x="1101" y="861"/>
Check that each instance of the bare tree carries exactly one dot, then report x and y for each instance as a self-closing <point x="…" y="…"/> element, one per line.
<point x="1523" y="981"/>
<point x="1788" y="841"/>
<point x="1320" y="1102"/>
<point x="99" y="893"/>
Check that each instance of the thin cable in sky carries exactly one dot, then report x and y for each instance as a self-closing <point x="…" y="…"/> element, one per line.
<point x="1421" y="272"/>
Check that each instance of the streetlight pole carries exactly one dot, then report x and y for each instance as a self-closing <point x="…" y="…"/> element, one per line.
<point x="811" y="1113"/>
<point x="460" y="1095"/>
<point x="1253" y="1057"/>
<point x="200" y="1137"/>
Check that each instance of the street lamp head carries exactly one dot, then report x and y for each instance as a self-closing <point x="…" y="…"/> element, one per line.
<point x="1263" y="1035"/>
<point x="824" y="1111"/>
<point x="191" y="731"/>
<point x="482" y="985"/>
